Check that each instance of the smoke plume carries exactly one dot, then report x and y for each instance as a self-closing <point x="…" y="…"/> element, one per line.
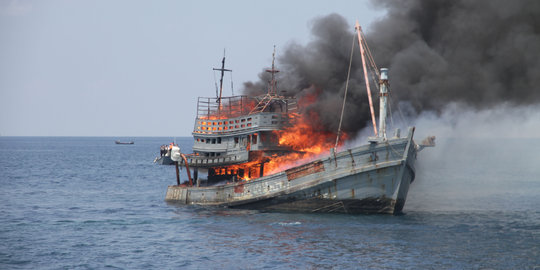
<point x="479" y="53"/>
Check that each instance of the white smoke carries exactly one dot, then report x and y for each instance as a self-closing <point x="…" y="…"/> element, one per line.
<point x="460" y="121"/>
<point x="484" y="159"/>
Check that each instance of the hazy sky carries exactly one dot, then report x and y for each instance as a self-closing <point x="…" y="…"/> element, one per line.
<point x="136" y="68"/>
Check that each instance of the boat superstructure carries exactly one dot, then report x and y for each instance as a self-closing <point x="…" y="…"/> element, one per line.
<point x="238" y="130"/>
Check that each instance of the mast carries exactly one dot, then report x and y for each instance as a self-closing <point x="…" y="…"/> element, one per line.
<point x="222" y="69"/>
<point x="383" y="102"/>
<point x="272" y="91"/>
<point x="362" y="52"/>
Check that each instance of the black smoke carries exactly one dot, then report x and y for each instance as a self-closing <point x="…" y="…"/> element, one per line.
<point x="481" y="53"/>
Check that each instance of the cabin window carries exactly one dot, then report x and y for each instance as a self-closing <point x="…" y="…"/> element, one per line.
<point x="218" y="140"/>
<point x="274" y="122"/>
<point x="231" y="127"/>
<point x="230" y="122"/>
<point x="254" y="138"/>
<point x="249" y="119"/>
<point x="243" y="126"/>
<point x="207" y="140"/>
<point x="236" y="121"/>
<point x="274" y="117"/>
<point x="236" y="140"/>
<point x="243" y="120"/>
<point x="213" y="141"/>
<point x="249" y="124"/>
<point x="220" y="128"/>
<point x="236" y="126"/>
<point x="214" y="128"/>
<point x="226" y="128"/>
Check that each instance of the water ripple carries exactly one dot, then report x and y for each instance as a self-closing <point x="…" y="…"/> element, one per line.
<point x="88" y="204"/>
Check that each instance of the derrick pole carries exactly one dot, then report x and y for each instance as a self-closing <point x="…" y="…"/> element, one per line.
<point x="362" y="52"/>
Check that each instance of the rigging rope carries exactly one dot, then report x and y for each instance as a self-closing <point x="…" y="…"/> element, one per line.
<point x="402" y="117"/>
<point x="215" y="81"/>
<point x="390" y="109"/>
<point x="345" y="96"/>
<point x="232" y="88"/>
<point x="376" y="74"/>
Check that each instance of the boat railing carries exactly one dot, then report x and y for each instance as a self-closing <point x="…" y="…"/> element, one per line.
<point x="234" y="106"/>
<point x="204" y="161"/>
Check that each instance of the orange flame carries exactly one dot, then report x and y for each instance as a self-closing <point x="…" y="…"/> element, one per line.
<point x="303" y="137"/>
<point x="306" y="140"/>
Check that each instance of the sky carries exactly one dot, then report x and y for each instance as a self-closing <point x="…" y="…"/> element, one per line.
<point x="136" y="68"/>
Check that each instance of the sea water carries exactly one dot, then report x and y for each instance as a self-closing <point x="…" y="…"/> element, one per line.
<point x="87" y="203"/>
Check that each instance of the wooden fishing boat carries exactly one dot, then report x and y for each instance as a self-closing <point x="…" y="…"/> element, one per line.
<point x="239" y="144"/>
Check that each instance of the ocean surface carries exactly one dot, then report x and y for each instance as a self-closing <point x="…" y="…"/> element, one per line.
<point x="87" y="203"/>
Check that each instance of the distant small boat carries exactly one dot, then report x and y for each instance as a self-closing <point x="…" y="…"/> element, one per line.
<point x="119" y="142"/>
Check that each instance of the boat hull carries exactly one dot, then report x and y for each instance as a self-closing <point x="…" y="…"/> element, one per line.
<point x="354" y="194"/>
<point x="164" y="160"/>
<point x="118" y="142"/>
<point x="372" y="178"/>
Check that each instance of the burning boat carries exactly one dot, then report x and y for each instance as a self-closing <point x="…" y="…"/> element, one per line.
<point x="257" y="155"/>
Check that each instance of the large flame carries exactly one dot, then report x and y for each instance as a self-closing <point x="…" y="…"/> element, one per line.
<point x="305" y="140"/>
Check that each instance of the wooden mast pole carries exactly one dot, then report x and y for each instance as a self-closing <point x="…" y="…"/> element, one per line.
<point x="362" y="52"/>
<point x="222" y="69"/>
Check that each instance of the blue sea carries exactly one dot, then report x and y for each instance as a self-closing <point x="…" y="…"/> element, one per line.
<point x="87" y="203"/>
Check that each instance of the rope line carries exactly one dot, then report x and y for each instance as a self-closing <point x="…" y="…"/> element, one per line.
<point x="232" y="88"/>
<point x="215" y="81"/>
<point x="345" y="96"/>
